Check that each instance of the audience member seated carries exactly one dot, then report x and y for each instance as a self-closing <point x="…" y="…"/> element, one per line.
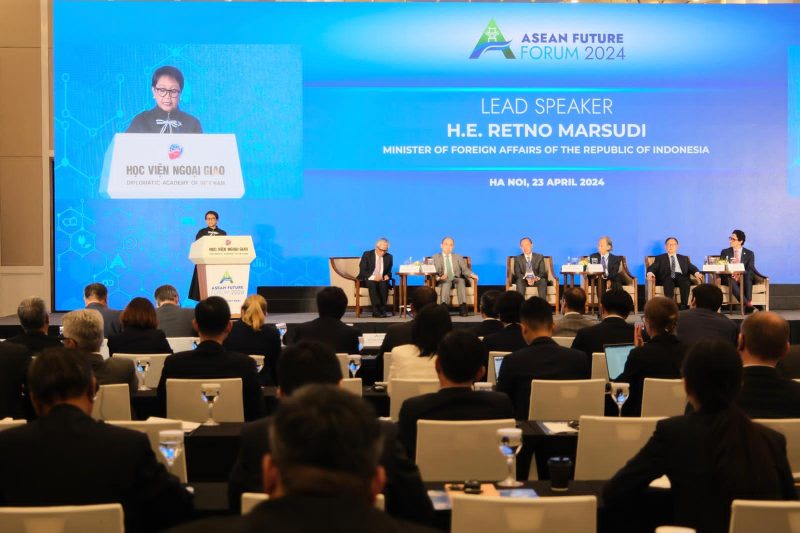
<point x="211" y="360"/>
<point x="252" y="335"/>
<point x="401" y="333"/>
<point x="173" y="320"/>
<point x="83" y="329"/>
<point x="95" y="296"/>
<point x="14" y="361"/>
<point x="35" y="321"/>
<point x="328" y="328"/>
<point x="140" y="333"/>
<point x="67" y="458"/>
<point x="315" y="363"/>
<point x="703" y="320"/>
<point x="615" y="306"/>
<point x="491" y="323"/>
<point x="542" y="359"/>
<point x="789" y="365"/>
<point x="660" y="357"/>
<point x="416" y="360"/>
<point x="510" y="337"/>
<point x="711" y="456"/>
<point x="459" y="363"/>
<point x="765" y="394"/>
<point x="573" y="305"/>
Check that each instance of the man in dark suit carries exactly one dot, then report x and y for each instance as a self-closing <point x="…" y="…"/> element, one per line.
<point x="35" y="321"/>
<point x="610" y="262"/>
<point x="210" y="360"/>
<point x="314" y="363"/>
<point x="460" y="362"/>
<point x="615" y="306"/>
<point x="67" y="458"/>
<point x="703" y="321"/>
<point x="14" y="361"/>
<point x="573" y="304"/>
<point x="400" y="333"/>
<point x="452" y="270"/>
<point x="737" y="253"/>
<point x="542" y="359"/>
<point x="173" y="320"/>
<point x="491" y="323"/>
<point x="671" y="269"/>
<point x="328" y="328"/>
<point x="375" y="269"/>
<point x="95" y="296"/>
<point x="509" y="338"/>
<point x="763" y="342"/>
<point x="530" y="270"/>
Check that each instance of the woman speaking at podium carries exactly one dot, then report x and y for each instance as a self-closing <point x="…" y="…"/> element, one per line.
<point x="211" y="230"/>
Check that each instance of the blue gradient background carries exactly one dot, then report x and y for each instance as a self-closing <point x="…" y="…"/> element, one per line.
<point x="314" y="90"/>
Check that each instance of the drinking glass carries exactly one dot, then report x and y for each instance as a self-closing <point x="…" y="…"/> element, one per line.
<point x="594" y="260"/>
<point x="510" y="443"/>
<point x="620" y="393"/>
<point x="210" y="394"/>
<point x="170" y="444"/>
<point x="353" y="363"/>
<point x="142" y="364"/>
<point x="281" y="329"/>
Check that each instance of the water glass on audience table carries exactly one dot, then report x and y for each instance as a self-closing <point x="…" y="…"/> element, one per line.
<point x="620" y="393"/>
<point x="170" y="444"/>
<point x="510" y="443"/>
<point x="210" y="394"/>
<point x="142" y="365"/>
<point x="281" y="326"/>
<point x="353" y="363"/>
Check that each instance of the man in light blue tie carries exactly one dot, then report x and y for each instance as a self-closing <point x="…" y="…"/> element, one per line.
<point x="452" y="270"/>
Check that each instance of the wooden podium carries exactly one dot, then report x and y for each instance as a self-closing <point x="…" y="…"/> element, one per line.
<point x="223" y="267"/>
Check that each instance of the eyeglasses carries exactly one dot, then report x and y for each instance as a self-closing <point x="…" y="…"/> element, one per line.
<point x="163" y="91"/>
<point x="733" y="239"/>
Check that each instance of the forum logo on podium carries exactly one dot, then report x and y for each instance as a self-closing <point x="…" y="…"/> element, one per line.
<point x="492" y="40"/>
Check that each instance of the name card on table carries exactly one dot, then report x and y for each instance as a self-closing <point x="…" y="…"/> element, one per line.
<point x="594" y="269"/>
<point x="571" y="269"/>
<point x="409" y="269"/>
<point x="428" y="269"/>
<point x="373" y="340"/>
<point x="713" y="268"/>
<point x="735" y="267"/>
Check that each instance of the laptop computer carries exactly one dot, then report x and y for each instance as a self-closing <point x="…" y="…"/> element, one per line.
<point x="616" y="357"/>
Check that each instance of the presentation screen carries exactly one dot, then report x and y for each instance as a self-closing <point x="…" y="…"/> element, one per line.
<point x="319" y="127"/>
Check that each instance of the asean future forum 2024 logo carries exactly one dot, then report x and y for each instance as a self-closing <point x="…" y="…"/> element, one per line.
<point x="492" y="40"/>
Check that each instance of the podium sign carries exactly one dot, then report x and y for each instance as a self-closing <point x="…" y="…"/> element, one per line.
<point x="176" y="165"/>
<point x="223" y="267"/>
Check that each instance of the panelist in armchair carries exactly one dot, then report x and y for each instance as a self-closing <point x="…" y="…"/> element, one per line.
<point x="375" y="269"/>
<point x="737" y="253"/>
<point x="530" y="270"/>
<point x="452" y="269"/>
<point x="610" y="262"/>
<point x="671" y="269"/>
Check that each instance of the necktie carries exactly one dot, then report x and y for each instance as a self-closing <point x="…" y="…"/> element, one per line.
<point x="672" y="266"/>
<point x="736" y="256"/>
<point x="605" y="265"/>
<point x="378" y="266"/>
<point x="448" y="267"/>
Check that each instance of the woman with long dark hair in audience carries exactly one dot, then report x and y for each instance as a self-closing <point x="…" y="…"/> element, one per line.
<point x="140" y="333"/>
<point x="417" y="360"/>
<point x="712" y="456"/>
<point x="251" y="335"/>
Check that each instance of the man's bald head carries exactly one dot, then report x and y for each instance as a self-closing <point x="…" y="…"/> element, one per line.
<point x="765" y="336"/>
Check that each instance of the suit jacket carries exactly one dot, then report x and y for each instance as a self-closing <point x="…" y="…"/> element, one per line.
<point x="266" y="341"/>
<point x="542" y="359"/>
<point x="508" y="339"/>
<point x="612" y="330"/>
<point x="14" y="362"/>
<point x="175" y="321"/>
<point x="110" y="371"/>
<point x="366" y="267"/>
<point x="747" y="258"/>
<point x="331" y="331"/>
<point x="454" y="403"/>
<point x="211" y="360"/>
<point x="139" y="340"/>
<point x="789" y="364"/>
<point x="332" y="513"/>
<point x="460" y="268"/>
<point x="569" y="324"/>
<point x="521" y="266"/>
<point x="67" y="458"/>
<point x="679" y="450"/>
<point x="661" y="267"/>
<point x="614" y="262"/>
<point x="406" y="497"/>
<point x="487" y="327"/>
<point x="397" y="335"/>
<point x="111" y="323"/>
<point x="661" y="357"/>
<point x="35" y="341"/>
<point x="698" y="324"/>
<point x="765" y="394"/>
